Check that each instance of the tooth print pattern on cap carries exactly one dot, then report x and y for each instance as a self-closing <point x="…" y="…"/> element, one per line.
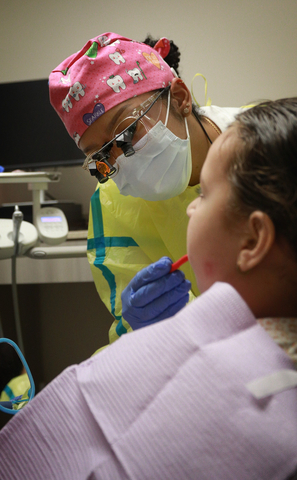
<point x="108" y="70"/>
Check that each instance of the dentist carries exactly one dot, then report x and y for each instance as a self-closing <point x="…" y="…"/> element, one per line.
<point x="145" y="142"/>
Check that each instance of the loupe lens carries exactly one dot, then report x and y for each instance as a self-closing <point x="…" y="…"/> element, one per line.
<point x="128" y="149"/>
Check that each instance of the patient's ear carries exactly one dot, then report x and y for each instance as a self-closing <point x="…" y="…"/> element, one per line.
<point x="257" y="241"/>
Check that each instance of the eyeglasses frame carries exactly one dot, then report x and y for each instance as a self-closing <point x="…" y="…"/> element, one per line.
<point x="107" y="146"/>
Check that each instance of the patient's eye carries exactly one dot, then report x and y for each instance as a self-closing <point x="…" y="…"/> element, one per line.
<point x="199" y="191"/>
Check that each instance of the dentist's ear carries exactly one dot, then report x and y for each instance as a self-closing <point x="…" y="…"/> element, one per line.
<point x="181" y="97"/>
<point x="259" y="238"/>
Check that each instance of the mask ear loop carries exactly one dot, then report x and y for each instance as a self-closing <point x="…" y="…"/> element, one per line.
<point x="187" y="129"/>
<point x="168" y="108"/>
<point x="167" y="115"/>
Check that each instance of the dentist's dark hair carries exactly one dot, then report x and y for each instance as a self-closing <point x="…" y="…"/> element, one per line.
<point x="263" y="172"/>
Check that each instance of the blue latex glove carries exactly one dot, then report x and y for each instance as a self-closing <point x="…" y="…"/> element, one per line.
<point x="154" y="294"/>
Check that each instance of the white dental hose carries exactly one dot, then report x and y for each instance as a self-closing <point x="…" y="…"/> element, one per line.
<point x="17" y="219"/>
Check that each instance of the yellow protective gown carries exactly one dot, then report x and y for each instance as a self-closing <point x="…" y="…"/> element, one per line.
<point x="126" y="234"/>
<point x="17" y="386"/>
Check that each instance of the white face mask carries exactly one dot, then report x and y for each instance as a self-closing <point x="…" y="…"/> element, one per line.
<point x="160" y="170"/>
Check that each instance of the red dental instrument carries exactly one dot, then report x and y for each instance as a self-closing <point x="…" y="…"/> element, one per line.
<point x="179" y="263"/>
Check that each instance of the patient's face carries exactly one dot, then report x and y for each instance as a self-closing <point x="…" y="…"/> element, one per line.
<point x="212" y="242"/>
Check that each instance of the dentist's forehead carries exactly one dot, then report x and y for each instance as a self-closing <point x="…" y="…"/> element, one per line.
<point x="104" y="127"/>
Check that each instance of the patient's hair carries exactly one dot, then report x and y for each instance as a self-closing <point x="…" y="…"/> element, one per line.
<point x="263" y="170"/>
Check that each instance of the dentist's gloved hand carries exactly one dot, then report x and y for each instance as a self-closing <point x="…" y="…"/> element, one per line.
<point x="154" y="294"/>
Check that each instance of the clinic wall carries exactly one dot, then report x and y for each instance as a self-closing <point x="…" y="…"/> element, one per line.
<point x="245" y="49"/>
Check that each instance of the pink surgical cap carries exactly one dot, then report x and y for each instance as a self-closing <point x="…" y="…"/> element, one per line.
<point x="108" y="70"/>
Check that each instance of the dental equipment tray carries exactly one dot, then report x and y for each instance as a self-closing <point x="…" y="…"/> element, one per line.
<point x="72" y="211"/>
